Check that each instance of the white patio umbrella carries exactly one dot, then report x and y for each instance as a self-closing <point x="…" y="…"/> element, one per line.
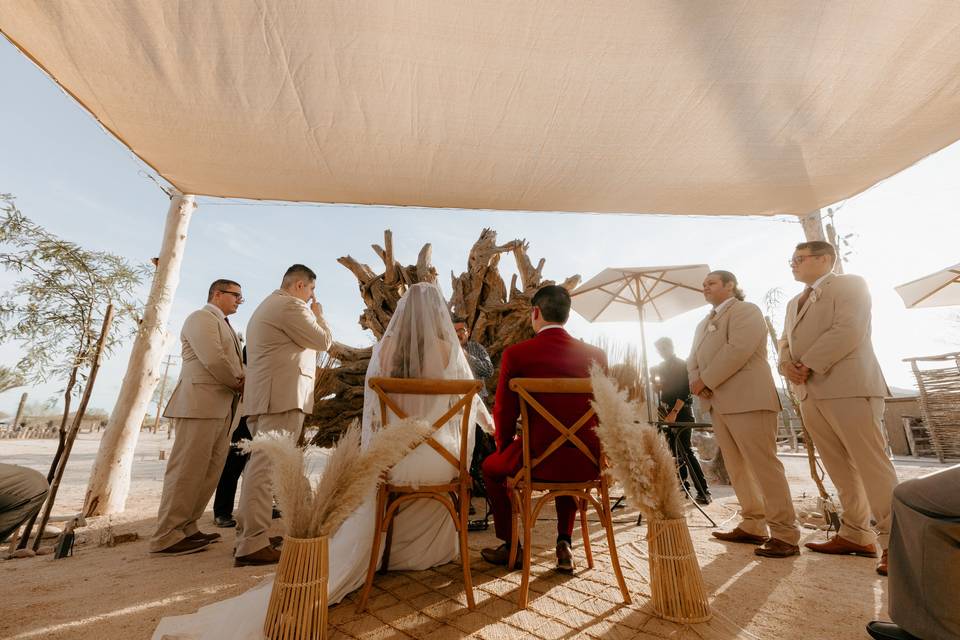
<point x="940" y="289"/>
<point x="646" y="294"/>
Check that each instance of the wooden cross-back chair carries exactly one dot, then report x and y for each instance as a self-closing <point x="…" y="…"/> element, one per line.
<point x="524" y="483"/>
<point x="454" y="495"/>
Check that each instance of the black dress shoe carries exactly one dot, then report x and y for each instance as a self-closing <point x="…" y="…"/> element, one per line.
<point x="888" y="631"/>
<point x="703" y="498"/>
<point x="275" y="514"/>
<point x="225" y="523"/>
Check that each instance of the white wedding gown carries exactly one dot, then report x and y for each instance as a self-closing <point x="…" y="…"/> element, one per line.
<point x="419" y="342"/>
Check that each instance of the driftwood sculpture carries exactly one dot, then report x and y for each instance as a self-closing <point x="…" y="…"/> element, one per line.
<point x="496" y="316"/>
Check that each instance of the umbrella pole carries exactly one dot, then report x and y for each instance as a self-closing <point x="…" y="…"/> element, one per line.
<point x="647" y="386"/>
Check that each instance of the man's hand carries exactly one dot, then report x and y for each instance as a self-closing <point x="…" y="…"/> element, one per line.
<point x="316" y="308"/>
<point x="240" y="381"/>
<point x="797" y="372"/>
<point x="698" y="388"/>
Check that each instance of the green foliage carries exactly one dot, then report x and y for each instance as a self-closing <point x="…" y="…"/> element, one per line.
<point x="10" y="379"/>
<point x="56" y="308"/>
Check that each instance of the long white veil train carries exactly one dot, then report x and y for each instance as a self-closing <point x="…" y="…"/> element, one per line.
<point x="419" y="342"/>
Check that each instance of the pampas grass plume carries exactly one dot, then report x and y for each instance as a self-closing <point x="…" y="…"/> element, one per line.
<point x="349" y="477"/>
<point x="639" y="457"/>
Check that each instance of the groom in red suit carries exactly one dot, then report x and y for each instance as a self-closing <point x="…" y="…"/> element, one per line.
<point x="552" y="353"/>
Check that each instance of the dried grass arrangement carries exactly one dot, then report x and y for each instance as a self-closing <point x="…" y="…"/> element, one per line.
<point x="640" y="460"/>
<point x="639" y="456"/>
<point x="313" y="509"/>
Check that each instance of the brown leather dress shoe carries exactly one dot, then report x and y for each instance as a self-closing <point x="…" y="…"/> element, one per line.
<point x="738" y="535"/>
<point x="501" y="555"/>
<point x="843" y="547"/>
<point x="267" y="555"/>
<point x="774" y="548"/>
<point x="200" y="535"/>
<point x="882" y="565"/>
<point x="183" y="547"/>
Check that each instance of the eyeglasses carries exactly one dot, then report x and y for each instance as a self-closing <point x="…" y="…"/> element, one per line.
<point x="794" y="261"/>
<point x="238" y="296"/>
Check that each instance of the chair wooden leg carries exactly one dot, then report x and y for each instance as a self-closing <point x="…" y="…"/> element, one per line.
<point x="374" y="552"/>
<point x="607" y="518"/>
<point x="585" y="534"/>
<point x="527" y="541"/>
<point x="464" y="504"/>
<point x="515" y="509"/>
<point x="388" y="542"/>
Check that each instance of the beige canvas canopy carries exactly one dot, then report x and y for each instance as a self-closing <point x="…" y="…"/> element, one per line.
<point x="729" y="107"/>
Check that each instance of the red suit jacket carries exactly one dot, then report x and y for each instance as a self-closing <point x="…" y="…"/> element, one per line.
<point x="553" y="353"/>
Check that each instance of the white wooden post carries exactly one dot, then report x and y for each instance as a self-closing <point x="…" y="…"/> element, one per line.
<point x="110" y="478"/>
<point x="813" y="226"/>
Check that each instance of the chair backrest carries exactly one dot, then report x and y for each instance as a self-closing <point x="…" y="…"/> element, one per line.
<point x="465" y="389"/>
<point x="525" y="388"/>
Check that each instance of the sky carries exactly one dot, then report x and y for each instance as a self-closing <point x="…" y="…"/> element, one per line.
<point x="81" y="184"/>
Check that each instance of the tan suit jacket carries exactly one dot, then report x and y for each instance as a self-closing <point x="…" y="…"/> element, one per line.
<point x="211" y="368"/>
<point x="831" y="335"/>
<point x="731" y="359"/>
<point x="283" y="338"/>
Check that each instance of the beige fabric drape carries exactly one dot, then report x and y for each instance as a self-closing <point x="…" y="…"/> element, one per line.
<point x="728" y="107"/>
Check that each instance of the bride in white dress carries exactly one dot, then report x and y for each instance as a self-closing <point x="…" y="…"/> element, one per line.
<point x="419" y="342"/>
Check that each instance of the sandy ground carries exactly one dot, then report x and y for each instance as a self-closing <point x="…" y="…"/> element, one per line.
<point x="121" y="592"/>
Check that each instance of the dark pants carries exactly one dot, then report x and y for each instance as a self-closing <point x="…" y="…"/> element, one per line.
<point x="566" y="464"/>
<point x="687" y="463"/>
<point x="223" y="500"/>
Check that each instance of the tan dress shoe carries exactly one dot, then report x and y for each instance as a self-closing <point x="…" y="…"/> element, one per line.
<point x="774" y="548"/>
<point x="267" y="555"/>
<point x="738" y="535"/>
<point x="842" y="547"/>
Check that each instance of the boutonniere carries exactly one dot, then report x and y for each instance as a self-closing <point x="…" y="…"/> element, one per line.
<point x="815" y="295"/>
<point x="711" y="328"/>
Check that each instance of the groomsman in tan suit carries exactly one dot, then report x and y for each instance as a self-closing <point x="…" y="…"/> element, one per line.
<point x="728" y="369"/>
<point x="827" y="355"/>
<point x="283" y="337"/>
<point x="203" y="406"/>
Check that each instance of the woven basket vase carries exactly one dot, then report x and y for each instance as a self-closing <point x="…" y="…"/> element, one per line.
<point x="676" y="584"/>
<point x="298" y="602"/>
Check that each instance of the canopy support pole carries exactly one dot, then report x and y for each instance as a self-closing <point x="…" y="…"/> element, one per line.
<point x="110" y="478"/>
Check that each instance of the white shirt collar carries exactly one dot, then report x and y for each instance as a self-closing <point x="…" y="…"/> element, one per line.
<point x="216" y="310"/>
<point x="819" y="281"/>
<point x="549" y="326"/>
<point x="723" y="305"/>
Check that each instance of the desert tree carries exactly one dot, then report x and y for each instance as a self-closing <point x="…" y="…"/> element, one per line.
<point x="56" y="307"/>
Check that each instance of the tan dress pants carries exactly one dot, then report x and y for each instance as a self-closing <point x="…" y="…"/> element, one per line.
<point x="256" y="496"/>
<point x="749" y="444"/>
<point x="200" y="448"/>
<point x="847" y="434"/>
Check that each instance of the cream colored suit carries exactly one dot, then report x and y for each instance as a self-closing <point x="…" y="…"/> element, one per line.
<point x="842" y="401"/>
<point x="730" y="356"/>
<point x="283" y="338"/>
<point x="203" y="406"/>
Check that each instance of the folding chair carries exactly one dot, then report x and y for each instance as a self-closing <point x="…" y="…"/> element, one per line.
<point x="454" y="495"/>
<point x="524" y="484"/>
